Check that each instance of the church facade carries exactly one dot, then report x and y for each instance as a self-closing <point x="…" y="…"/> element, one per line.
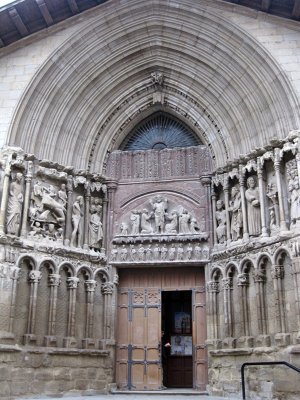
<point x="150" y="200"/>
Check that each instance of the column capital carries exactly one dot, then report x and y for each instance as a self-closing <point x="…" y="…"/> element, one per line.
<point x="107" y="288"/>
<point x="227" y="283"/>
<point x="90" y="285"/>
<point x="243" y="279"/>
<point x="72" y="282"/>
<point x="34" y="276"/>
<point x="213" y="287"/>
<point x="54" y="280"/>
<point x="277" y="272"/>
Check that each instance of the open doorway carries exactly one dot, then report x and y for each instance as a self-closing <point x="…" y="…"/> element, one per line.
<point x="177" y="353"/>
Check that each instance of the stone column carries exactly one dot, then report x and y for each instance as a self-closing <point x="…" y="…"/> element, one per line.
<point x="68" y="229"/>
<point x="277" y="167"/>
<point x="243" y="283"/>
<point x="54" y="282"/>
<point x="227" y="284"/>
<point x="34" y="279"/>
<point x="14" y="277"/>
<point x="260" y="279"/>
<point x="90" y="286"/>
<point x="28" y="178"/>
<point x="213" y="198"/>
<point x="298" y="164"/>
<point x="296" y="276"/>
<point x="262" y="199"/>
<point x="243" y="201"/>
<point x="278" y="275"/>
<point x="213" y="289"/>
<point x="226" y="199"/>
<point x="206" y="182"/>
<point x="104" y="221"/>
<point x="72" y="284"/>
<point x="107" y="291"/>
<point x="5" y="191"/>
<point x="87" y="198"/>
<point x="111" y="191"/>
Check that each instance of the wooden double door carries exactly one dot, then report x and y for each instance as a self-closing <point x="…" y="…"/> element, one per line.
<point x="147" y="321"/>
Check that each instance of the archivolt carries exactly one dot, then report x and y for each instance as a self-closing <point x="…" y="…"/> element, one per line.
<point x="231" y="88"/>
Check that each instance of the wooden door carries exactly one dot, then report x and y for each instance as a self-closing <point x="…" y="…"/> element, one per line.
<point x="199" y="337"/>
<point x="139" y="333"/>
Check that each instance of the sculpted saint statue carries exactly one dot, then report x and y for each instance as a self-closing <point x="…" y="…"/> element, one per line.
<point x="184" y="220"/>
<point x="145" y="224"/>
<point x="172" y="226"/>
<point x="294" y="200"/>
<point x="159" y="205"/>
<point x="221" y="221"/>
<point x="95" y="225"/>
<point x="253" y="207"/>
<point x="14" y="208"/>
<point x="135" y="222"/>
<point x="236" y="213"/>
<point x="76" y="218"/>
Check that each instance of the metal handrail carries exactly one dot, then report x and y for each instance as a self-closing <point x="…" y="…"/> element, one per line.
<point x="262" y="363"/>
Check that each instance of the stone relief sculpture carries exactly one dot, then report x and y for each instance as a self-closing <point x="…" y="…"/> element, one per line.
<point x="159" y="205"/>
<point x="160" y="220"/>
<point x="76" y="219"/>
<point x="145" y="224"/>
<point x="172" y="226"/>
<point x="14" y="207"/>
<point x="294" y="200"/>
<point x="184" y="220"/>
<point x="236" y="213"/>
<point x="221" y="221"/>
<point x="95" y="224"/>
<point x="253" y="207"/>
<point x="272" y="194"/>
<point x="135" y="222"/>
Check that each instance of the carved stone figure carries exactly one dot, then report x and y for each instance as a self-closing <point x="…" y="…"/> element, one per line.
<point x="50" y="206"/>
<point x="156" y="252"/>
<point x="148" y="253"/>
<point x="184" y="220"/>
<point x="159" y="205"/>
<point x="14" y="207"/>
<point x="95" y="225"/>
<point x="180" y="252"/>
<point x="221" y="221"/>
<point x="76" y="219"/>
<point x="146" y="227"/>
<point x="62" y="195"/>
<point x="294" y="200"/>
<point x="114" y="254"/>
<point x="194" y="226"/>
<point x="141" y="253"/>
<point x="189" y="251"/>
<point x="164" y="252"/>
<point x="135" y="222"/>
<point x="197" y="252"/>
<point x="123" y="253"/>
<point x="236" y="213"/>
<point x="253" y="207"/>
<point x="133" y="253"/>
<point x="124" y="228"/>
<point x="172" y="252"/>
<point x="172" y="226"/>
<point x="36" y="229"/>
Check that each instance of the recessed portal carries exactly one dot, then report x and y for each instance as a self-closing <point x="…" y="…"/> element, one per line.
<point x="177" y="346"/>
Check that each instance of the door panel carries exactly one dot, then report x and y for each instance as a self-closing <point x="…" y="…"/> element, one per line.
<point x="138" y="365"/>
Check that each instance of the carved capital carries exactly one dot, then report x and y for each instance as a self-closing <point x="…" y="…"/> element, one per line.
<point x="34" y="276"/>
<point x="205" y="180"/>
<point x="243" y="279"/>
<point x="54" y="280"/>
<point x="107" y="288"/>
<point x="90" y="285"/>
<point x="72" y="282"/>
<point x="227" y="283"/>
<point x="277" y="272"/>
<point x="213" y="287"/>
<point x="259" y="276"/>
